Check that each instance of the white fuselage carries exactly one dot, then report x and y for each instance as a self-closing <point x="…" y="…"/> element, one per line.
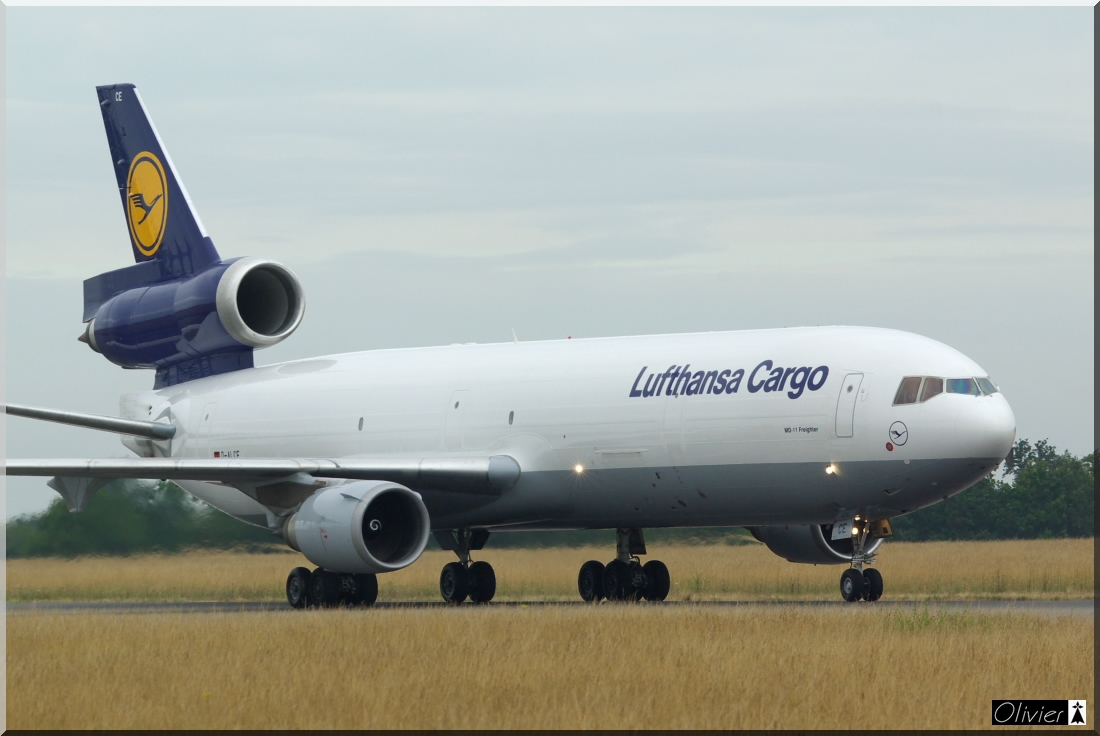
<point x="595" y="447"/>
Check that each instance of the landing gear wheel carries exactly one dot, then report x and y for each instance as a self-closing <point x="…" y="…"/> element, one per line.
<point x="635" y="583"/>
<point x="483" y="582"/>
<point x="454" y="582"/>
<point x="657" y="581"/>
<point x="590" y="581"/>
<point x="297" y="587"/>
<point x="851" y="585"/>
<point x="365" y="591"/>
<point x="324" y="588"/>
<point x="616" y="581"/>
<point x="872" y="584"/>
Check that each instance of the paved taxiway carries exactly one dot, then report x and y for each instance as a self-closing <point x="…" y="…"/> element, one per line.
<point x="1045" y="608"/>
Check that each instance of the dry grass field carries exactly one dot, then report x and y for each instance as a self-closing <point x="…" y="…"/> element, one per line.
<point x="610" y="666"/>
<point x="1060" y="568"/>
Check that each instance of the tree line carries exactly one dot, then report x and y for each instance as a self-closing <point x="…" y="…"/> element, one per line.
<point x="1042" y="494"/>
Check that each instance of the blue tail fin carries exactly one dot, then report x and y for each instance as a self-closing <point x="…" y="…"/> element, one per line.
<point x="163" y="225"/>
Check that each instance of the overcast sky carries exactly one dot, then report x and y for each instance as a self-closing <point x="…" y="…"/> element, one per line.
<point x="439" y="176"/>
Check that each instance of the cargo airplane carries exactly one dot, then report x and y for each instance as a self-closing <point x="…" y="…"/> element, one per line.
<point x="813" y="438"/>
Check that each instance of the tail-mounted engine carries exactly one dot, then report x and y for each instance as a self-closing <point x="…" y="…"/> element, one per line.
<point x="362" y="527"/>
<point x="195" y="326"/>
<point x="811" y="544"/>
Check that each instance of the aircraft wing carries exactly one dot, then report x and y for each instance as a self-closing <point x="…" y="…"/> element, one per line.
<point x="277" y="483"/>
<point x="485" y="475"/>
<point x="492" y="475"/>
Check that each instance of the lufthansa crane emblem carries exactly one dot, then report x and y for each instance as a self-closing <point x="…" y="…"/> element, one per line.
<point x="147" y="202"/>
<point x="898" y="433"/>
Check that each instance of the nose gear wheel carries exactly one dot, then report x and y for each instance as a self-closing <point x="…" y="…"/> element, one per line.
<point x="861" y="582"/>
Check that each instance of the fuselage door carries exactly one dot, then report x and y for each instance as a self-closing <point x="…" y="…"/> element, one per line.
<point x="846" y="404"/>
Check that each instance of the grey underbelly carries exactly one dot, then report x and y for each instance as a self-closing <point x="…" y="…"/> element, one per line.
<point x="712" y="495"/>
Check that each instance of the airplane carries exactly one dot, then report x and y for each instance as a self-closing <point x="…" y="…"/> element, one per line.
<point x="813" y="438"/>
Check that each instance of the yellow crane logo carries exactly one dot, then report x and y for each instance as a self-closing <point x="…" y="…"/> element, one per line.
<point x="147" y="202"/>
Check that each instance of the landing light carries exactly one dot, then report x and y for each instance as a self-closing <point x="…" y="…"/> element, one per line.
<point x="830" y="469"/>
<point x="579" y="469"/>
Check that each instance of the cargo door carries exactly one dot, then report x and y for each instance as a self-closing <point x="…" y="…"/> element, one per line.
<point x="846" y="404"/>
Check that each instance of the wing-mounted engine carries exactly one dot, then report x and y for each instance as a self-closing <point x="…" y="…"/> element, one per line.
<point x="361" y="527"/>
<point x="193" y="326"/>
<point x="810" y="544"/>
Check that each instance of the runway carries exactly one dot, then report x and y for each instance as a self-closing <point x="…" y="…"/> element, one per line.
<point x="1044" y="608"/>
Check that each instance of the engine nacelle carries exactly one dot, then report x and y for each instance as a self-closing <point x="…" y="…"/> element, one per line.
<point x="809" y="544"/>
<point x="362" y="527"/>
<point x="218" y="315"/>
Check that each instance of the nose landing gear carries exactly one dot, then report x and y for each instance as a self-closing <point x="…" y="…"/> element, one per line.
<point x="857" y="582"/>
<point x="625" y="578"/>
<point x="463" y="579"/>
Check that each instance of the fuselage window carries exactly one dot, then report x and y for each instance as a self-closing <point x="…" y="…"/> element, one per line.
<point x="987" y="386"/>
<point x="962" y="386"/>
<point x="907" y="391"/>
<point x="932" y="387"/>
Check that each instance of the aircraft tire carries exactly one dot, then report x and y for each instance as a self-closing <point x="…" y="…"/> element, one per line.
<point x="297" y="587"/>
<point x="483" y="582"/>
<point x="324" y="588"/>
<point x="590" y="581"/>
<point x="454" y="583"/>
<point x="658" y="581"/>
<point x="851" y="585"/>
<point x="616" y="580"/>
<point x="872" y="584"/>
<point x="366" y="590"/>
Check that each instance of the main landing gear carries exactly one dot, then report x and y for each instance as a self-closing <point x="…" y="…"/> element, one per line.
<point x="625" y="578"/>
<point x="859" y="582"/>
<point x="326" y="589"/>
<point x="464" y="579"/>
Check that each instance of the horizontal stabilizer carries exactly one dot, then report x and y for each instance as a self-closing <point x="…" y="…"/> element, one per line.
<point x="481" y="475"/>
<point x="133" y="427"/>
<point x="101" y="288"/>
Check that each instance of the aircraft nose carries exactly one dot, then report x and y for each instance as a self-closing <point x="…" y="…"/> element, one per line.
<point x="986" y="427"/>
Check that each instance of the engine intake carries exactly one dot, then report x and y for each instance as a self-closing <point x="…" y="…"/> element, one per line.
<point x="361" y="527"/>
<point x="259" y="302"/>
<point x="809" y="543"/>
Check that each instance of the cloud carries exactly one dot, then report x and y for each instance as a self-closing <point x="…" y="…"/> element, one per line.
<point x="443" y="175"/>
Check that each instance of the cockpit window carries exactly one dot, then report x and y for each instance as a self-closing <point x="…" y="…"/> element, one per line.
<point x="911" y="387"/>
<point x="932" y="387"/>
<point x="962" y="386"/>
<point x="907" y="391"/>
